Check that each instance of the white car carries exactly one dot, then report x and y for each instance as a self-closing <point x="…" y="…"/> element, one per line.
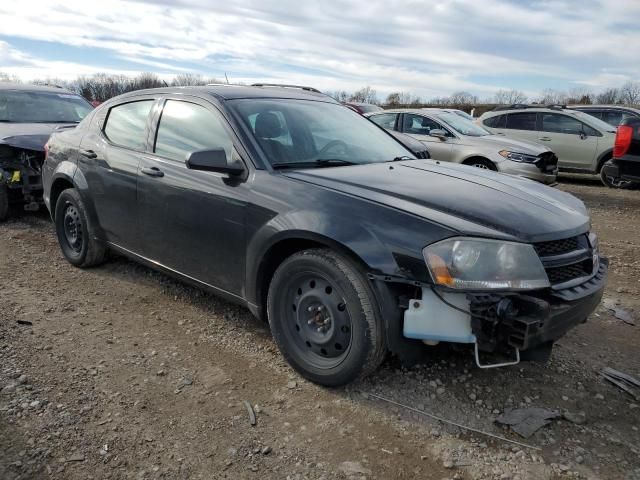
<point x="582" y="142"/>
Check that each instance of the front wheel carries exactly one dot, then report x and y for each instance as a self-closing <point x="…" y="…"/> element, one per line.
<point x="482" y="163"/>
<point x="75" y="232"/>
<point x="324" y="318"/>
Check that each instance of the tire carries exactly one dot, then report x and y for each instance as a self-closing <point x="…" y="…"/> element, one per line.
<point x="612" y="182"/>
<point x="482" y="163"/>
<point x="325" y="318"/>
<point x="75" y="232"/>
<point x="4" y="202"/>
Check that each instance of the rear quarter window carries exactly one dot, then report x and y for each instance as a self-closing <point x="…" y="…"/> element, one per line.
<point x="498" y="121"/>
<point x="126" y="124"/>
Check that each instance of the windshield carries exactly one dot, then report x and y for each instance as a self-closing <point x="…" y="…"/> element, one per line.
<point x="463" y="115"/>
<point x="462" y="125"/>
<point x="303" y="133"/>
<point x="18" y="106"/>
<point x="594" y="122"/>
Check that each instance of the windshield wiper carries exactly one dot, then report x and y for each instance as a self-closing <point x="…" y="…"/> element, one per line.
<point x="404" y="157"/>
<point x="325" y="162"/>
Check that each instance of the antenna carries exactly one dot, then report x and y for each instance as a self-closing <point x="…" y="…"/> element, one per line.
<point x="227" y="78"/>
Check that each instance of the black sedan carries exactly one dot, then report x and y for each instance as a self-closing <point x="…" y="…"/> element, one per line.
<point x="283" y="200"/>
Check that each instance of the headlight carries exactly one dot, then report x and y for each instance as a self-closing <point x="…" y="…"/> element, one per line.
<point x="480" y="264"/>
<point x="518" y="156"/>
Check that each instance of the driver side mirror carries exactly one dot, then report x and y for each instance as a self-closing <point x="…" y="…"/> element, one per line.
<point x="438" y="133"/>
<point x="214" y="160"/>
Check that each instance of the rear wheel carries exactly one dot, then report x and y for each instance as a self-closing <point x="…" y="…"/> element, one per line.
<point x="75" y="232"/>
<point x="4" y="202"/>
<point x="613" y="182"/>
<point x="324" y="318"/>
<point x="483" y="163"/>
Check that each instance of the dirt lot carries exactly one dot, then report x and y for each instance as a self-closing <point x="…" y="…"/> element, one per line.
<point x="120" y="372"/>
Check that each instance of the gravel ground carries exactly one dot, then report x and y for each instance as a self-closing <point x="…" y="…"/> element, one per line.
<point x="121" y="372"/>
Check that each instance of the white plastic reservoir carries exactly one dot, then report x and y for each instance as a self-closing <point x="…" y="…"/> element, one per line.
<point x="433" y="320"/>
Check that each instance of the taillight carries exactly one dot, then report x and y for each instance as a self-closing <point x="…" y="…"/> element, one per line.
<point x="46" y="150"/>
<point x="623" y="140"/>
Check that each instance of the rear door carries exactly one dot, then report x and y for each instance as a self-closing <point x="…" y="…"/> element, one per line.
<point x="192" y="221"/>
<point x="573" y="142"/>
<point x="109" y="158"/>
<point x="419" y="127"/>
<point x="521" y="125"/>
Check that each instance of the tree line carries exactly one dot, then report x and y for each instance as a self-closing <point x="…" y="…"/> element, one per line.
<point x="102" y="86"/>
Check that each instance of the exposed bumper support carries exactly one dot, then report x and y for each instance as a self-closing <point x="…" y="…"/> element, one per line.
<point x="503" y="321"/>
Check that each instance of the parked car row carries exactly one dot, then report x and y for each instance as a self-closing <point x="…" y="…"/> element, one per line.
<point x="327" y="226"/>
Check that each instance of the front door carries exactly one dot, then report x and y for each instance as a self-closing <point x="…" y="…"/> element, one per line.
<point x="419" y="127"/>
<point x="192" y="221"/>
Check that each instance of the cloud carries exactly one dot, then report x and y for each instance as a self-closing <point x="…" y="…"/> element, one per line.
<point x="430" y="48"/>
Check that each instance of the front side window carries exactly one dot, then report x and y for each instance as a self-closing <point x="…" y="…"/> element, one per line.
<point x="499" y="121"/>
<point x="462" y="125"/>
<point x="308" y="134"/>
<point x="556" y="123"/>
<point x="385" y="120"/>
<point x="20" y="106"/>
<point x="187" y="127"/>
<point x="126" y="124"/>
<point x="419" y="125"/>
<point x="521" y="121"/>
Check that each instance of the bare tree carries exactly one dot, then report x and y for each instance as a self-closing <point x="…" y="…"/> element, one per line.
<point x="630" y="93"/>
<point x="509" y="97"/>
<point x="609" y="96"/>
<point x="5" y="77"/>
<point x="188" y="79"/>
<point x="462" y="98"/>
<point x="364" y="95"/>
<point x="553" y="97"/>
<point x="581" y="95"/>
<point x="339" y="95"/>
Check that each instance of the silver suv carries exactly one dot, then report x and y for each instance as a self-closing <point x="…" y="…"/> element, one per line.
<point x="582" y="142"/>
<point x="452" y="138"/>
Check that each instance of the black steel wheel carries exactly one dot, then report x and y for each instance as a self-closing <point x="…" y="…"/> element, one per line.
<point x="324" y="318"/>
<point x="75" y="233"/>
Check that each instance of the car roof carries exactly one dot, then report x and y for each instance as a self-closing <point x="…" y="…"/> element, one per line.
<point x="417" y="111"/>
<point x="232" y="92"/>
<point x="594" y="107"/>
<point x="26" y="87"/>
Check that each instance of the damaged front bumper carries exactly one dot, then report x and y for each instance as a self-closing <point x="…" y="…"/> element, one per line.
<point x="502" y="322"/>
<point x="20" y="171"/>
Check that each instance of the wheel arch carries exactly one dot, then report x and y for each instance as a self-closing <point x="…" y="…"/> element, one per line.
<point x="603" y="158"/>
<point x="471" y="158"/>
<point x="58" y="185"/>
<point x="283" y="247"/>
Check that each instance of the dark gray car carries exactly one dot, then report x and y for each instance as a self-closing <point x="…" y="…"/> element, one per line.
<point x="28" y="115"/>
<point x="321" y="223"/>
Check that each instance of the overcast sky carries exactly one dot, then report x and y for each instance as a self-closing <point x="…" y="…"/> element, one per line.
<point x="430" y="48"/>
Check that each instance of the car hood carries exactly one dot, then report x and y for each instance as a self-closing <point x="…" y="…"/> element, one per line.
<point x="30" y="136"/>
<point x="465" y="199"/>
<point x="522" y="146"/>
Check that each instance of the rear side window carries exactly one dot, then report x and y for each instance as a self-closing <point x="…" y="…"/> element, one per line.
<point x="555" y="123"/>
<point x="498" y="121"/>
<point x="521" y="121"/>
<point x="385" y="120"/>
<point x="126" y="124"/>
<point x="186" y="127"/>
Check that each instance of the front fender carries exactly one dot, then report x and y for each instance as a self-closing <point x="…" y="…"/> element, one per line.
<point x="389" y="243"/>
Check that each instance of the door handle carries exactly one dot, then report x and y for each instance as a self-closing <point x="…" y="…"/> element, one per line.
<point x="88" y="153"/>
<point x="153" y="172"/>
<point x="545" y="139"/>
